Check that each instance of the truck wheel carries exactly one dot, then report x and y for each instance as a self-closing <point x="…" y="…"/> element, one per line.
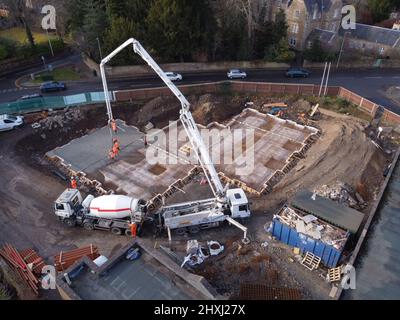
<point x="194" y="230"/>
<point x="70" y="222"/>
<point x="128" y="233"/>
<point x="180" y="231"/>
<point x="116" y="231"/>
<point x="88" y="225"/>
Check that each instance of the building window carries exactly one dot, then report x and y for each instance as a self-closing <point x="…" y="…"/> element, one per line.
<point x="293" y="42"/>
<point x="309" y="44"/>
<point x="297" y="13"/>
<point x="295" y="28"/>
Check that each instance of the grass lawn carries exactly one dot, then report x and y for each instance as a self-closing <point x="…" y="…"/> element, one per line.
<point x="60" y="74"/>
<point x="19" y="35"/>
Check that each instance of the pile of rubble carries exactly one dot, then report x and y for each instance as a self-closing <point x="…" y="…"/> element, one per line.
<point x="59" y="121"/>
<point x="313" y="227"/>
<point x="344" y="194"/>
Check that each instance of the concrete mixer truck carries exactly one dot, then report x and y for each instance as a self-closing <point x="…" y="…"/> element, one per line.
<point x="110" y="212"/>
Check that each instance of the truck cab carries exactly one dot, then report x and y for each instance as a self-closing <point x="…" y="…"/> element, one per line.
<point x="68" y="204"/>
<point x="238" y="203"/>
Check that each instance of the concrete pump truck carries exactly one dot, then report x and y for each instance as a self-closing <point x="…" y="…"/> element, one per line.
<point x="117" y="212"/>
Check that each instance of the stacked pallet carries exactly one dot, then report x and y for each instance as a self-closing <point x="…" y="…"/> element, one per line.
<point x="65" y="259"/>
<point x="18" y="263"/>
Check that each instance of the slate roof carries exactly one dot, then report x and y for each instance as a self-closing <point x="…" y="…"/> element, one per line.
<point x="323" y="5"/>
<point x="384" y="36"/>
<point x="325" y="36"/>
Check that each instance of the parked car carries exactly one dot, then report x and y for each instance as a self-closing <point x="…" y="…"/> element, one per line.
<point x="174" y="76"/>
<point x="236" y="74"/>
<point x="8" y="122"/>
<point x="30" y="96"/>
<point x="52" y="86"/>
<point x="297" y="73"/>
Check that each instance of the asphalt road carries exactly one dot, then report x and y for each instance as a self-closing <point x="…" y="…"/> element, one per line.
<point x="369" y="83"/>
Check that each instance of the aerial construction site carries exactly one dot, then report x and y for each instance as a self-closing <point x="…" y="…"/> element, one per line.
<point x="213" y="191"/>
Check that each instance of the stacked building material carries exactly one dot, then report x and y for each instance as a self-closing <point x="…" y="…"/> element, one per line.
<point x="30" y="256"/>
<point x="16" y="261"/>
<point x="65" y="259"/>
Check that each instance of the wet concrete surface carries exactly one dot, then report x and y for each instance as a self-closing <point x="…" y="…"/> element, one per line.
<point x="90" y="152"/>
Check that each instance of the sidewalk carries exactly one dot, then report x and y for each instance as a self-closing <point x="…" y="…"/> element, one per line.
<point x="25" y="81"/>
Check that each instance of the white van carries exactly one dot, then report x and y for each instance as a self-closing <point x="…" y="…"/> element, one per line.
<point x="8" y="122"/>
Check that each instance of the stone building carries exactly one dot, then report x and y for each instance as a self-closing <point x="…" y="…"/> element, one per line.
<point x="310" y="17"/>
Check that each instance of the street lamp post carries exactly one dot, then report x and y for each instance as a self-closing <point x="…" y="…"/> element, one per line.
<point x="51" y="46"/>
<point x="44" y="62"/>
<point x="341" y="49"/>
<point x="98" y="43"/>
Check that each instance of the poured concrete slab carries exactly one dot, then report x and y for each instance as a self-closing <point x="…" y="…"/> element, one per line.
<point x="136" y="173"/>
<point x="142" y="179"/>
<point x="90" y="152"/>
<point x="263" y="146"/>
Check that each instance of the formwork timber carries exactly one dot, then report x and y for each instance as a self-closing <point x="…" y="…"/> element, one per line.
<point x="269" y="147"/>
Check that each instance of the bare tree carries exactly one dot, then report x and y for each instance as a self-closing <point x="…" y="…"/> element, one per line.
<point x="20" y="13"/>
<point x="255" y="12"/>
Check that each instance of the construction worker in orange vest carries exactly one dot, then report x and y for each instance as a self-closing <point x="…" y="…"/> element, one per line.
<point x="115" y="150"/>
<point x="133" y="227"/>
<point x="74" y="183"/>
<point x="113" y="125"/>
<point x="116" y="144"/>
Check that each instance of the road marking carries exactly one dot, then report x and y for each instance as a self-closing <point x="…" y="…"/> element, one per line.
<point x="396" y="77"/>
<point x="13" y="90"/>
<point x="373" y="77"/>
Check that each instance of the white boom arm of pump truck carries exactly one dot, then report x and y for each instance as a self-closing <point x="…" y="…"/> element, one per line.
<point x="185" y="114"/>
<point x="240" y="210"/>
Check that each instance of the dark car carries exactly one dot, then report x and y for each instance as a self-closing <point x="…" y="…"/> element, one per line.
<point x="52" y="86"/>
<point x="297" y="73"/>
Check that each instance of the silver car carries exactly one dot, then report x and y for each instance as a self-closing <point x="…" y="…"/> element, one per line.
<point x="8" y="122"/>
<point x="174" y="76"/>
<point x="236" y="74"/>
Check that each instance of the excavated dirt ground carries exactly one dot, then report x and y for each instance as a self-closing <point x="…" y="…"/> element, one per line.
<point x="29" y="188"/>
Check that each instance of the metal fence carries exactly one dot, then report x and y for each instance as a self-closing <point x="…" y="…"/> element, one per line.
<point x="56" y="102"/>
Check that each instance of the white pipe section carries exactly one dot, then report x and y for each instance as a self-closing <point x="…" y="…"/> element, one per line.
<point x="237" y="224"/>
<point x="327" y="78"/>
<point x="322" y="81"/>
